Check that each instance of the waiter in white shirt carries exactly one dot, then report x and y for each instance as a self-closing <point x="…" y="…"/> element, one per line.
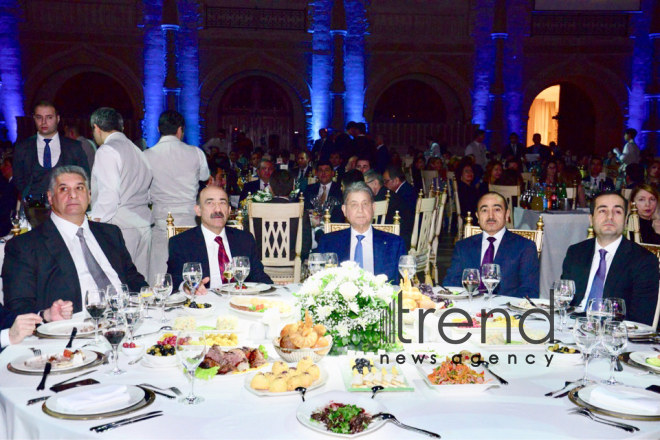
<point x="630" y="152"/>
<point x="177" y="168"/>
<point x="120" y="185"/>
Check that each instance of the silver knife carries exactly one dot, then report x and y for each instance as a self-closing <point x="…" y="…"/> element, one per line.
<point x="130" y="419"/>
<point x="37" y="400"/>
<point x="127" y="423"/>
<point x="74" y="377"/>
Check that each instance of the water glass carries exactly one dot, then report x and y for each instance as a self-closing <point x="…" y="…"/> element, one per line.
<point x="564" y="292"/>
<point x="599" y="310"/>
<point x="191" y="356"/>
<point x="618" y="309"/>
<point x="471" y="281"/>
<point x="615" y="339"/>
<point x="407" y="266"/>
<point x="316" y="263"/>
<point x="490" y="276"/>
<point x="586" y="333"/>
<point x="133" y="316"/>
<point x="162" y="288"/>
<point x="241" y="270"/>
<point x="192" y="275"/>
<point x="95" y="304"/>
<point x="147" y="296"/>
<point x="115" y="333"/>
<point x="117" y="296"/>
<point x="331" y="260"/>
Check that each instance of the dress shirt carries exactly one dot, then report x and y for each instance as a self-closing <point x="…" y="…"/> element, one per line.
<point x="212" y="248"/>
<point x="595" y="262"/>
<point x="55" y="149"/>
<point x="593" y="181"/>
<point x="327" y="190"/>
<point x="479" y="151"/>
<point x="367" y="248"/>
<point x="68" y="232"/>
<point x="630" y="153"/>
<point x="302" y="172"/>
<point x="4" y="339"/>
<point x="485" y="243"/>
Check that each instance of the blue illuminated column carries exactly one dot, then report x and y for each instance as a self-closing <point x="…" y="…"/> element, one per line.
<point x="154" y="69"/>
<point x="641" y="71"/>
<point x="518" y="14"/>
<point x="321" y="72"/>
<point x="356" y="28"/>
<point x="11" y="92"/>
<point x="484" y="61"/>
<point x="188" y="68"/>
<point x="651" y="127"/>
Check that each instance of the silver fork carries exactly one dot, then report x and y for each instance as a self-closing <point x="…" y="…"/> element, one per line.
<point x="587" y="413"/>
<point x="36" y="351"/>
<point x="175" y="390"/>
<point x="390" y="417"/>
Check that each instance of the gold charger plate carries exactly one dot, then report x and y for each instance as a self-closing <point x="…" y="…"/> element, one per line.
<point x="574" y="397"/>
<point x="625" y="358"/>
<point x="149" y="398"/>
<point x="100" y="358"/>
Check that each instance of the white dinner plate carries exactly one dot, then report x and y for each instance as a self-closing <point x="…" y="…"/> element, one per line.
<point x="175" y="299"/>
<point x="636" y="329"/>
<point x="136" y="395"/>
<point x="252" y="288"/>
<point x="640" y="358"/>
<point x="39" y="362"/>
<point x="237" y="300"/>
<point x="64" y="328"/>
<point x="311" y="405"/>
<point x="523" y="305"/>
<point x="458" y="390"/>
<point x="585" y="395"/>
<point x="456" y="293"/>
<point x="323" y="378"/>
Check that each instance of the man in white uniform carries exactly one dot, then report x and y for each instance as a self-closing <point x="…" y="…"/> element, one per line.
<point x="177" y="168"/>
<point x="478" y="149"/>
<point x="120" y="185"/>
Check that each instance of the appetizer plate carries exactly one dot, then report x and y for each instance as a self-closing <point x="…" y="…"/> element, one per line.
<point x="636" y="329"/>
<point x="456" y="293"/>
<point x="586" y="395"/>
<point x="565" y="359"/>
<point x="240" y="301"/>
<point x="240" y="373"/>
<point x="522" y="305"/>
<point x="323" y="378"/>
<point x="136" y="395"/>
<point x="175" y="299"/>
<point x="639" y="357"/>
<point x="63" y="329"/>
<point x="199" y="313"/>
<point x="252" y="288"/>
<point x="36" y="364"/>
<point x="347" y="375"/>
<point x="462" y="389"/>
<point x="311" y="405"/>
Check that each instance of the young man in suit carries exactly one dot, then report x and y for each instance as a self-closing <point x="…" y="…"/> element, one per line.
<point x="375" y="251"/>
<point x="325" y="188"/>
<point x="375" y="181"/>
<point x="395" y="181"/>
<point x="264" y="172"/>
<point x="516" y="255"/>
<point x="303" y="171"/>
<point x="38" y="155"/>
<point x="612" y="266"/>
<point x="596" y="178"/>
<point x="14" y="328"/>
<point x="538" y="148"/>
<point x="514" y="149"/>
<point x="67" y="255"/>
<point x="213" y="244"/>
<point x="382" y="154"/>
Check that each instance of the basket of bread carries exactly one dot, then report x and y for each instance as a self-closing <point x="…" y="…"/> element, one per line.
<point x="302" y="339"/>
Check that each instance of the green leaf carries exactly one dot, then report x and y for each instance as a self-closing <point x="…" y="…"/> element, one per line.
<point x="263" y="351"/>
<point x="345" y="340"/>
<point x="205" y="373"/>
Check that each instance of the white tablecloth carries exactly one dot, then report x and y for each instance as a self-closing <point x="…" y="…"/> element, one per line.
<point x="517" y="411"/>
<point x="560" y="231"/>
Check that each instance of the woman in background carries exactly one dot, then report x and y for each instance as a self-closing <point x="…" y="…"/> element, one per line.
<point x="646" y="198"/>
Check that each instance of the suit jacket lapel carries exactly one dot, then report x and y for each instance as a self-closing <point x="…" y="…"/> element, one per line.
<point x="474" y="253"/>
<point x="60" y="253"/>
<point x="502" y="248"/>
<point x="198" y="242"/>
<point x="583" y="268"/>
<point x="109" y="250"/>
<point x="379" y="249"/>
<point x="345" y="245"/>
<point x="618" y="266"/>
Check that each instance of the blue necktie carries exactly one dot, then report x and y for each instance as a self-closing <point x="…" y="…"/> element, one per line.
<point x="358" y="251"/>
<point x="47" y="164"/>
<point x="599" y="279"/>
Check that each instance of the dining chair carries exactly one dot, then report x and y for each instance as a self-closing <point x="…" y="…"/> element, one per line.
<point x="508" y="192"/>
<point x="393" y="228"/>
<point x="173" y="230"/>
<point x="380" y="210"/>
<point x="427" y="179"/>
<point x="436" y="230"/>
<point x="423" y="232"/>
<point x="535" y="235"/>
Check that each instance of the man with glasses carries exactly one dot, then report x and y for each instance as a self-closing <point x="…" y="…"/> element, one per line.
<point x="37" y="156"/>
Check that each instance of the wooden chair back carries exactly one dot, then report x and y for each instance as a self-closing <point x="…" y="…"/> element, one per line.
<point x="380" y="210"/>
<point x="427" y="180"/>
<point x="655" y="250"/>
<point x="173" y="230"/>
<point x="536" y="236"/>
<point x="433" y="259"/>
<point x="394" y="228"/>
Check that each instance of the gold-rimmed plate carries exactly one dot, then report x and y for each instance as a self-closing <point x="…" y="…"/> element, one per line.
<point x="574" y="396"/>
<point x="625" y="358"/>
<point x="147" y="400"/>
<point x="100" y="358"/>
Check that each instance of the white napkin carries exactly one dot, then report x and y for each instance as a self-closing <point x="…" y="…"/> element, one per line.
<point x="625" y="399"/>
<point x="96" y="398"/>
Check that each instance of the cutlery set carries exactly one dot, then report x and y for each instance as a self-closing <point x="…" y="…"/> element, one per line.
<point x="587" y="413"/>
<point x="128" y="421"/>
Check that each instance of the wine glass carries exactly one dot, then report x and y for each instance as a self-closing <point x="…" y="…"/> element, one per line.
<point x="228" y="273"/>
<point x="490" y="276"/>
<point x="117" y="296"/>
<point x="615" y="339"/>
<point x="162" y="289"/>
<point x="586" y="334"/>
<point x="114" y="333"/>
<point x="316" y="263"/>
<point x="95" y="304"/>
<point x="618" y="309"/>
<point x="15" y="218"/>
<point x="147" y="296"/>
<point x="599" y="310"/>
<point x="133" y="316"/>
<point x="191" y="355"/>
<point x="331" y="260"/>
<point x="192" y="275"/>
<point x="564" y="292"/>
<point x="407" y="266"/>
<point x="241" y="270"/>
<point x="471" y="281"/>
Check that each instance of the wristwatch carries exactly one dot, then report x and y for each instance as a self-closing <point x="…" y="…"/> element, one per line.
<point x="42" y="314"/>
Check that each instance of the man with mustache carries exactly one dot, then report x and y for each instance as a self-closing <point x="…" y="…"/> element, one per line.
<point x="516" y="255"/>
<point x="612" y="266"/>
<point x="213" y="244"/>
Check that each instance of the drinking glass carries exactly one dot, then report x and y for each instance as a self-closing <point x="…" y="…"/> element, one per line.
<point x="599" y="310"/>
<point x="241" y="270"/>
<point x="133" y="316"/>
<point x="490" y="276"/>
<point x="228" y="273"/>
<point x="192" y="275"/>
<point x="114" y="333"/>
<point x="407" y="266"/>
<point x="316" y="263"/>
<point x="15" y="218"/>
<point x="162" y="289"/>
<point x="117" y="296"/>
<point x="618" y="309"/>
<point x="564" y="291"/>
<point x="191" y="356"/>
<point x="331" y="260"/>
<point x="95" y="304"/>
<point x="471" y="281"/>
<point x="147" y="295"/>
<point x="615" y="339"/>
<point x="586" y="334"/>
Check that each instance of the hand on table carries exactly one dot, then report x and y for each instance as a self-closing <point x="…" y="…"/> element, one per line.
<point x="201" y="290"/>
<point x="23" y="327"/>
<point x="59" y="310"/>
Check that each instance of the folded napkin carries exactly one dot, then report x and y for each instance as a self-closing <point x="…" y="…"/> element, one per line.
<point x="95" y="398"/>
<point x="625" y="399"/>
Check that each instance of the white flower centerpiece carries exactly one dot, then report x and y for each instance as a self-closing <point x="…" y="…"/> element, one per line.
<point x="350" y="303"/>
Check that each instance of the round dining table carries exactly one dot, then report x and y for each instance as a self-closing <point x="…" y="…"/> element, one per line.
<point x="518" y="410"/>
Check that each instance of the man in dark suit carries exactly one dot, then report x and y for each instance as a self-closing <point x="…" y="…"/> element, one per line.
<point x="322" y="146"/>
<point x="538" y="148"/>
<point x="514" y="148"/>
<point x="36" y="156"/>
<point x="66" y="256"/>
<point x="344" y="143"/>
<point x="8" y="196"/>
<point x="14" y="328"/>
<point x="325" y="188"/>
<point x="303" y="170"/>
<point x="407" y="217"/>
<point x="612" y="266"/>
<point x="516" y="255"/>
<point x="281" y="185"/>
<point x="338" y="164"/>
<point x="364" y="145"/>
<point x="213" y="244"/>
<point x="395" y="181"/>
<point x="261" y="184"/>
<point x="596" y="179"/>
<point x="375" y="251"/>
<point x="382" y="154"/>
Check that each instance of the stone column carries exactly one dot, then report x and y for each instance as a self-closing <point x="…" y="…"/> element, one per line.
<point x="651" y="127"/>
<point x="640" y="72"/>
<point x="170" y="26"/>
<point x="187" y="49"/>
<point x="354" y="59"/>
<point x="338" y="89"/>
<point x="11" y="92"/>
<point x="517" y="24"/>
<point x="154" y="68"/>
<point x="321" y="71"/>
<point x="499" y="36"/>
<point x="484" y="60"/>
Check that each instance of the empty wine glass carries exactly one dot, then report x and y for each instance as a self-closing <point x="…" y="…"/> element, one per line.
<point x="192" y="275"/>
<point x="117" y="296"/>
<point x="331" y="260"/>
<point x="564" y="292"/>
<point x="618" y="309"/>
<point x="191" y="355"/>
<point x="115" y="333"/>
<point x="407" y="266"/>
<point x="490" y="276"/>
<point x="316" y="263"/>
<point x="599" y="310"/>
<point x="471" y="281"/>
<point x="241" y="270"/>
<point x="95" y="304"/>
<point x="162" y="288"/>
<point x="133" y="316"/>
<point x="586" y="334"/>
<point x="615" y="339"/>
<point x="147" y="296"/>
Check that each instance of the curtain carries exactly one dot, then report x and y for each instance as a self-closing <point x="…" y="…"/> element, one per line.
<point x="540" y="121"/>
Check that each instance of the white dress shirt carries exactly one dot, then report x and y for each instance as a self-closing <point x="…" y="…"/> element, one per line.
<point x="630" y="153"/>
<point x="485" y="243"/>
<point x="367" y="248"/>
<point x="595" y="262"/>
<point x="479" y="151"/>
<point x="4" y="339"/>
<point x="55" y="149"/>
<point x="68" y="232"/>
<point x="212" y="249"/>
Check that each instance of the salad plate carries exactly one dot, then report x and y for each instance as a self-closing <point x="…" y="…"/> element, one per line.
<point x="443" y="371"/>
<point x="248" y="288"/>
<point x="62" y="329"/>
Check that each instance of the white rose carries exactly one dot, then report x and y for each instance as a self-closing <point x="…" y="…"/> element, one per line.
<point x="385" y="293"/>
<point x="368" y="292"/>
<point x="342" y="330"/>
<point x="310" y="288"/>
<point x="324" y="312"/>
<point x="355" y="308"/>
<point x="380" y="279"/>
<point x="348" y="263"/>
<point x="349" y="291"/>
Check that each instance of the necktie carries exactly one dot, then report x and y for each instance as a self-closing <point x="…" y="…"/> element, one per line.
<point x="223" y="259"/>
<point x="359" y="259"/>
<point x="100" y="278"/>
<point x="598" y="283"/>
<point x="324" y="195"/>
<point x="47" y="160"/>
<point x="489" y="256"/>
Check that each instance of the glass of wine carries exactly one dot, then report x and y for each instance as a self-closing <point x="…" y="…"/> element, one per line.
<point x="331" y="260"/>
<point x="564" y="292"/>
<point x="228" y="273"/>
<point x="471" y="280"/>
<point x="95" y="304"/>
<point x="147" y="295"/>
<point x="407" y="266"/>
<point x="192" y="275"/>
<point x="117" y="296"/>
<point x="586" y="334"/>
<point x="316" y="263"/>
<point x="615" y="339"/>
<point x="241" y="270"/>
<point x="490" y="276"/>
<point x="618" y="309"/>
<point x="133" y="316"/>
<point x="598" y="311"/>
<point x="191" y="356"/>
<point x="115" y="333"/>
<point x="162" y="288"/>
